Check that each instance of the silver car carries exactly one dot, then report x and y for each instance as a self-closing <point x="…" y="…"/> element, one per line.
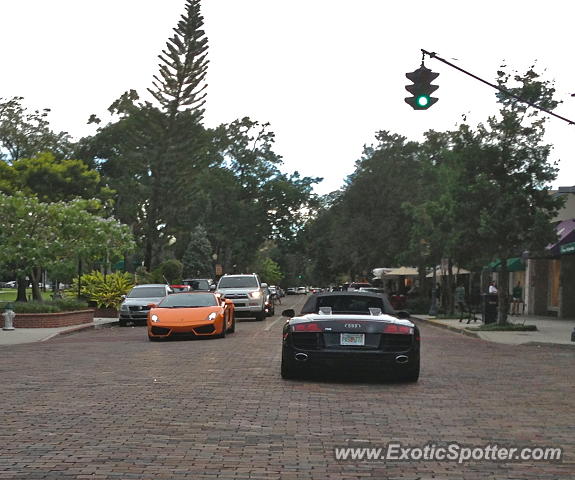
<point x="247" y="293"/>
<point x="135" y="307"/>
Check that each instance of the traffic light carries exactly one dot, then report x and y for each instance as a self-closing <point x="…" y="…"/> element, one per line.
<point x="421" y="88"/>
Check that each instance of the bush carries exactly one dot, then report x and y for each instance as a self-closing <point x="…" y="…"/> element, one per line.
<point x="106" y="292"/>
<point x="506" y="327"/>
<point x="49" y="307"/>
<point x="418" y="305"/>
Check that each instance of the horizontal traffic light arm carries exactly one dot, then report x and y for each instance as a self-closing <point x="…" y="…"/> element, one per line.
<point x="496" y="87"/>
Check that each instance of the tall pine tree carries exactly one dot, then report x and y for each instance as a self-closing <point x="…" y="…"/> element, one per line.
<point x="180" y="90"/>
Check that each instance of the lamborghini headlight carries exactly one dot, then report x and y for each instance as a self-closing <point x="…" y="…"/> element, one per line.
<point x="155" y="318"/>
<point x="212" y="316"/>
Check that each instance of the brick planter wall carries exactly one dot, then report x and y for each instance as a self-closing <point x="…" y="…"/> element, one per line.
<point x="50" y="320"/>
<point x="106" y="313"/>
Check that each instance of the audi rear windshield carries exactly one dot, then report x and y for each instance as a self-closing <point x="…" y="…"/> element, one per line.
<point x="344" y="304"/>
<point x="238" y="282"/>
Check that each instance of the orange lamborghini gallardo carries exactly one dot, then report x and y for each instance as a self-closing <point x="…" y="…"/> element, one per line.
<point x="193" y="314"/>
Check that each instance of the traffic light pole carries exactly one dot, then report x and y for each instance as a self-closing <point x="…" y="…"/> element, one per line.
<point x="496" y="87"/>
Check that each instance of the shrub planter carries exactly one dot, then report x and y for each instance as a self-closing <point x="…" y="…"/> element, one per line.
<point x="51" y="320"/>
<point x="106" y="313"/>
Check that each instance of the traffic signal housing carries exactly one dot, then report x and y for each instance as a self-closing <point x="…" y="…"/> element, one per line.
<point x="421" y="88"/>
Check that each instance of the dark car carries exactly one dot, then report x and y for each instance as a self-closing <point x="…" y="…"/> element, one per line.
<point x="198" y="284"/>
<point x="350" y="332"/>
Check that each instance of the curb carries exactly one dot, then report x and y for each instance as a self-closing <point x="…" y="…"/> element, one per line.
<point x="435" y="323"/>
<point x="76" y="329"/>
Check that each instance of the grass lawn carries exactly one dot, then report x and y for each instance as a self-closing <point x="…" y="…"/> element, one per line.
<point x="9" y="294"/>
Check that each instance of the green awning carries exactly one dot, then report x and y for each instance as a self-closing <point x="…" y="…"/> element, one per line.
<point x="515" y="264"/>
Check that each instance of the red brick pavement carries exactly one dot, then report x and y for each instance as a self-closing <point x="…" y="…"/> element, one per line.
<point x="108" y="404"/>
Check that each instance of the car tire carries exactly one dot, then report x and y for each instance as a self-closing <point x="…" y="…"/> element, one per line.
<point x="260" y="316"/>
<point x="122" y="322"/>
<point x="288" y="372"/>
<point x="224" y="329"/>
<point x="233" y="327"/>
<point x="412" y="375"/>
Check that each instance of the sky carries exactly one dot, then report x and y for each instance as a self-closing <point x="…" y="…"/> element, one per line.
<point x="326" y="74"/>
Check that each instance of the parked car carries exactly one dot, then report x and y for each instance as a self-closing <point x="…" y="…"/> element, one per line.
<point x="199" y="284"/>
<point x="180" y="288"/>
<point x="191" y="314"/>
<point x="135" y="306"/>
<point x="269" y="301"/>
<point x="291" y="291"/>
<point x="347" y="331"/>
<point x="301" y="290"/>
<point x="10" y="284"/>
<point x="358" y="286"/>
<point x="247" y="293"/>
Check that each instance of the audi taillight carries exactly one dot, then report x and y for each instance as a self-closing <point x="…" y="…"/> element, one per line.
<point x="399" y="329"/>
<point x="306" y="327"/>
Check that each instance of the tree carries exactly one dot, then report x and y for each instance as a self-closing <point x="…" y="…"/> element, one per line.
<point x="515" y="175"/>
<point x="35" y="234"/>
<point x="184" y="65"/>
<point x="197" y="259"/>
<point x="52" y="179"/>
<point x="25" y="134"/>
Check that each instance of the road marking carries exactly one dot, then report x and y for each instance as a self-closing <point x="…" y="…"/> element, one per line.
<point x="270" y="325"/>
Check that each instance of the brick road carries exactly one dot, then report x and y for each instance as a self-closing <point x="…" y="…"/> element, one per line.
<point x="108" y="404"/>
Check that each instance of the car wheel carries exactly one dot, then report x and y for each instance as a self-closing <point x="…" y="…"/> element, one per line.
<point x="412" y="375"/>
<point x="122" y="322"/>
<point x="287" y="370"/>
<point x="225" y="328"/>
<point x="260" y="316"/>
<point x="233" y="327"/>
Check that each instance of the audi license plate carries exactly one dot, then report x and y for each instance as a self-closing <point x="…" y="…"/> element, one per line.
<point x="352" y="339"/>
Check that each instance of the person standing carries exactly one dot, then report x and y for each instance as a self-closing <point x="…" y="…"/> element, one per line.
<point x="492" y="288"/>
<point x="460" y="300"/>
<point x="517" y="298"/>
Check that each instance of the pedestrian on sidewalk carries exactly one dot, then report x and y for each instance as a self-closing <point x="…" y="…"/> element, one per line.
<point x="460" y="300"/>
<point x="492" y="288"/>
<point x="516" y="298"/>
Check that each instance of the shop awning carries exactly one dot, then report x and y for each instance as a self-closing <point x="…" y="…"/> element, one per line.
<point x="565" y="234"/>
<point x="455" y="269"/>
<point x="402" y="272"/>
<point x="515" y="264"/>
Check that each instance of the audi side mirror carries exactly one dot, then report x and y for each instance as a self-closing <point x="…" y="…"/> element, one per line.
<point x="290" y="313"/>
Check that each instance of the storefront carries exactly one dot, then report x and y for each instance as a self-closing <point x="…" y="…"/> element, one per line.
<point x="551" y="278"/>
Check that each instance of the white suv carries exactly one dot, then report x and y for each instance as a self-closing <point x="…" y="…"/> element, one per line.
<point x="247" y="293"/>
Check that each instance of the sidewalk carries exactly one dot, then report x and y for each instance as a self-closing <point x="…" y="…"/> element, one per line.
<point x="549" y="330"/>
<point x="31" y="335"/>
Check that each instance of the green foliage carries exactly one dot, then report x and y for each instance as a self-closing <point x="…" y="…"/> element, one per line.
<point x="171" y="271"/>
<point x="184" y="65"/>
<point x="418" y="305"/>
<point x="505" y="327"/>
<point x="197" y="259"/>
<point x="105" y="290"/>
<point x="25" y="134"/>
<point x="36" y="234"/>
<point x="51" y="179"/>
<point x="55" y="306"/>
<point x="269" y="271"/>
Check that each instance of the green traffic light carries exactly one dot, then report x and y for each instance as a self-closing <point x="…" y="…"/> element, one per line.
<point x="423" y="100"/>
